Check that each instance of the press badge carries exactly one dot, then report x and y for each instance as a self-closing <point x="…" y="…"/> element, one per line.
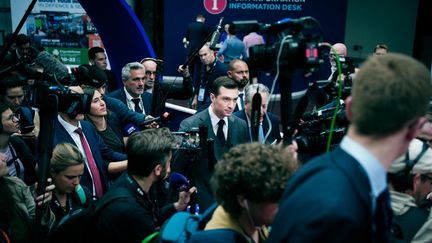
<point x="201" y="94"/>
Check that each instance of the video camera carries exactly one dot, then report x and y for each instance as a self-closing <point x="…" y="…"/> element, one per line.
<point x="314" y="130"/>
<point x="192" y="139"/>
<point x="292" y="43"/>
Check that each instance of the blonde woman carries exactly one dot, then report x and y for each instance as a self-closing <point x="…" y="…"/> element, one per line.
<point x="67" y="167"/>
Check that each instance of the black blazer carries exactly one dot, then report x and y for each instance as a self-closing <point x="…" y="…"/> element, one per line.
<point x="327" y="200"/>
<point x="274" y="120"/>
<point x="146" y="98"/>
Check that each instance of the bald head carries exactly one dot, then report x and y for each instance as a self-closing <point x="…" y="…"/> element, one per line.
<point x="340" y="49"/>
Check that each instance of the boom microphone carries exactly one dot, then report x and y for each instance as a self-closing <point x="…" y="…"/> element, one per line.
<point x="166" y="116"/>
<point x="255" y="115"/>
<point x="53" y="67"/>
<point x="215" y="36"/>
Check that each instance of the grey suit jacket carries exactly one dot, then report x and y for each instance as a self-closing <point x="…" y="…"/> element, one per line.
<point x="237" y="130"/>
<point x="201" y="171"/>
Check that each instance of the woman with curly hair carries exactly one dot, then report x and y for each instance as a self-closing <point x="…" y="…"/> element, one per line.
<point x="248" y="183"/>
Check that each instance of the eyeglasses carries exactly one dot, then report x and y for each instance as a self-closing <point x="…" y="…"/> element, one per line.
<point x="149" y="73"/>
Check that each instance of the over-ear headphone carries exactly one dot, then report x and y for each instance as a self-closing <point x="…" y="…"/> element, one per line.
<point x="409" y="164"/>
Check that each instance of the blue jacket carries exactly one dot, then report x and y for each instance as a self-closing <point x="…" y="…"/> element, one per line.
<point x="327" y="200"/>
<point x="125" y="115"/>
<point x="146" y="98"/>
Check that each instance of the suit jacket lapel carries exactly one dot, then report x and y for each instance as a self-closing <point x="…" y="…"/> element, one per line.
<point x="355" y="173"/>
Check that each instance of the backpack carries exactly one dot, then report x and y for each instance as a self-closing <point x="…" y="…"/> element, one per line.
<point x="81" y="225"/>
<point x="185" y="227"/>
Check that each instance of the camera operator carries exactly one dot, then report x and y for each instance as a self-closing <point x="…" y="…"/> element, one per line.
<point x="99" y="159"/>
<point x="389" y="99"/>
<point x="133" y="218"/>
<point x="410" y="178"/>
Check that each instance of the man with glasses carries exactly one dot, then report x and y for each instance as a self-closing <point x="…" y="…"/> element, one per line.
<point x="410" y="179"/>
<point x="150" y="66"/>
<point x="162" y="89"/>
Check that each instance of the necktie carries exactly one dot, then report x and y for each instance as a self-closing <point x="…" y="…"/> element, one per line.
<point x="220" y="134"/>
<point x="136" y="101"/>
<point x="383" y="217"/>
<point x="261" y="134"/>
<point x="92" y="164"/>
<point x="241" y="101"/>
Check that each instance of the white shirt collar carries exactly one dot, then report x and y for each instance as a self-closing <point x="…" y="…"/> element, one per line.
<point x="128" y="96"/>
<point x="69" y="127"/>
<point x="215" y="119"/>
<point x="375" y="171"/>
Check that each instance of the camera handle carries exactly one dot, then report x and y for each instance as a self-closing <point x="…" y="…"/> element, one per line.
<point x="48" y="112"/>
<point x="289" y="119"/>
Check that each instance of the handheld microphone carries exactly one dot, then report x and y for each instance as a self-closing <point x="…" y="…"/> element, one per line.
<point x="216" y="35"/>
<point x="255" y="115"/>
<point x="166" y="116"/>
<point x="53" y="67"/>
<point x="130" y="129"/>
<point x="179" y="182"/>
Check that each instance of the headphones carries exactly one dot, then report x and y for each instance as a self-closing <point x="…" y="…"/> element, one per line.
<point x="409" y="164"/>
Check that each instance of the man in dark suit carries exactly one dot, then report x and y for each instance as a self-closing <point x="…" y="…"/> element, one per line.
<point x="196" y="33"/>
<point x="132" y="94"/>
<point x="268" y="131"/>
<point x="105" y="159"/>
<point x="239" y="71"/>
<point x="226" y="130"/>
<point x="342" y="196"/>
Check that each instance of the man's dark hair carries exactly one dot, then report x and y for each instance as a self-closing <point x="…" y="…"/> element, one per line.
<point x="223" y="81"/>
<point x="148" y="148"/>
<point x="231" y="29"/>
<point x="90" y="75"/>
<point x="11" y="81"/>
<point x="381" y="46"/>
<point x="22" y="39"/>
<point x="92" y="52"/>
